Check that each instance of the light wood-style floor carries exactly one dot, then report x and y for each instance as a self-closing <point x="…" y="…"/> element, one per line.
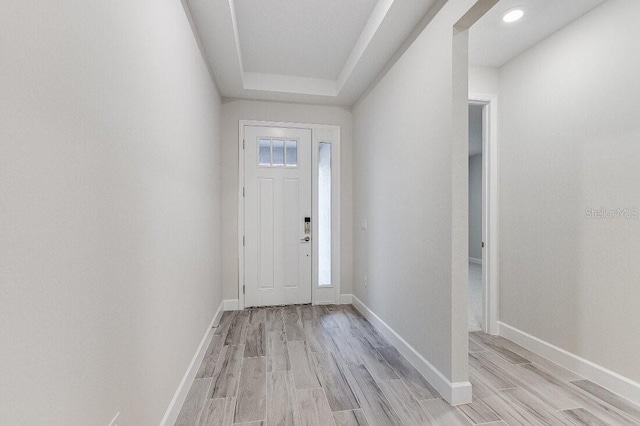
<point x="326" y="366"/>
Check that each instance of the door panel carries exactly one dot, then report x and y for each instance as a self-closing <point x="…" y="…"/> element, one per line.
<point x="266" y="240"/>
<point x="277" y="201"/>
<point x="291" y="235"/>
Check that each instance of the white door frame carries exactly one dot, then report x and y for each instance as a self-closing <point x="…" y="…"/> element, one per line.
<point x="319" y="133"/>
<point x="489" y="209"/>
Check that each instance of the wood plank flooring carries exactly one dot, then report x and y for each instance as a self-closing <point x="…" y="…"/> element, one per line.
<point x="327" y="366"/>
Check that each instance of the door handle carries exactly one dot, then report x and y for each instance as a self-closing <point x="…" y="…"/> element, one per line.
<point x="305" y="239"/>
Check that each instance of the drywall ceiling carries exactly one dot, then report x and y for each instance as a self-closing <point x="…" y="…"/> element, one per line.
<point x="308" y="51"/>
<point x="302" y="38"/>
<point x="329" y="52"/>
<point x="493" y="43"/>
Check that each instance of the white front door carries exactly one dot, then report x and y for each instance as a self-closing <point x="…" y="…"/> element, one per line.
<point x="277" y="216"/>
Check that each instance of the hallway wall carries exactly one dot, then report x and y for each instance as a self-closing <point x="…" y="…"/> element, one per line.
<point x="569" y="142"/>
<point x="110" y="269"/>
<point x="235" y="110"/>
<point x="404" y="179"/>
<point x="483" y="80"/>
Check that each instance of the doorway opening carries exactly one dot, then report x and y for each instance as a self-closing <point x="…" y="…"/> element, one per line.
<point x="476" y="193"/>
<point x="288" y="214"/>
<point x="483" y="214"/>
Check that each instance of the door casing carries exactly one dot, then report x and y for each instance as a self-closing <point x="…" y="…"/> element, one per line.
<point x="319" y="133"/>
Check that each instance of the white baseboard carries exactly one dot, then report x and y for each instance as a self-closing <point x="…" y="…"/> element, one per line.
<point x="346" y="299"/>
<point x="231" y="304"/>
<point x="474" y="260"/>
<point x="455" y="393"/>
<point x="608" y="379"/>
<point x="218" y="315"/>
<point x="171" y="415"/>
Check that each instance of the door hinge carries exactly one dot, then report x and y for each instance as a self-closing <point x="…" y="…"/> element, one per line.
<point x="242" y="143"/>
<point x="242" y="289"/>
<point x="243" y="241"/>
<point x="483" y="244"/>
<point x="243" y="191"/>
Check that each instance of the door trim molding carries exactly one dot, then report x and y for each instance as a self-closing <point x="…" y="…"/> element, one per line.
<point x="490" y="208"/>
<point x="319" y="133"/>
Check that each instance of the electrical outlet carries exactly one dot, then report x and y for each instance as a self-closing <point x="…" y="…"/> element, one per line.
<point x="365" y="281"/>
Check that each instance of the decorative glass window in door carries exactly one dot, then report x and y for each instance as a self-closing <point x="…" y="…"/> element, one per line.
<point x="277" y="153"/>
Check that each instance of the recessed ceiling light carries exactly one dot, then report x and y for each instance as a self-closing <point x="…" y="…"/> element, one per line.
<point x="513" y="15"/>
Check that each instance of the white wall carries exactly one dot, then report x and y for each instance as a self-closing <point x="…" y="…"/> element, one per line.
<point x="484" y="80"/>
<point x="235" y="110"/>
<point x="475" y="206"/>
<point x="569" y="140"/>
<point x="403" y="185"/>
<point x="110" y="218"/>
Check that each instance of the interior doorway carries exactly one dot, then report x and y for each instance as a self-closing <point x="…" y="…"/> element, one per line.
<point x="476" y="194"/>
<point x="483" y="214"/>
